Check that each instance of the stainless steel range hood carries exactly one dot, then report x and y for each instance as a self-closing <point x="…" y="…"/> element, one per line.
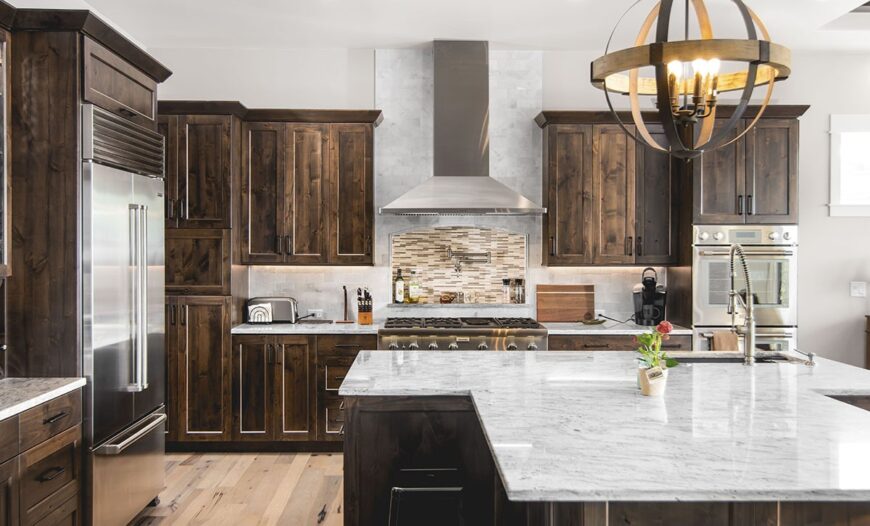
<point x="461" y="184"/>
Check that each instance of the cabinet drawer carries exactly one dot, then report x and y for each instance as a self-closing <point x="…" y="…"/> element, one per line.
<point x="49" y="475"/>
<point x="332" y="415"/>
<point x="46" y="420"/>
<point x="198" y="262"/>
<point x="611" y="343"/>
<point x="115" y="85"/>
<point x="335" y="368"/>
<point x="66" y="514"/>
<point x="348" y="345"/>
<point x="8" y="438"/>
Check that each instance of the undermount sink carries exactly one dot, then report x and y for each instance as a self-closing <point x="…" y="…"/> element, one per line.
<point x="732" y="359"/>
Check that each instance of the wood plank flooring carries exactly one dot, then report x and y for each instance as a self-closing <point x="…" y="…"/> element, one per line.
<point x="249" y="488"/>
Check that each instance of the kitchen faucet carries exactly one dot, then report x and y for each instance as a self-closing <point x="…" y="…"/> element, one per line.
<point x="747" y="303"/>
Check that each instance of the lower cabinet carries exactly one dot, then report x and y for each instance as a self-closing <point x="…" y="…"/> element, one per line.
<point x="611" y="343"/>
<point x="40" y="481"/>
<point x="272" y="397"/>
<point x="198" y="351"/>
<point x="335" y="355"/>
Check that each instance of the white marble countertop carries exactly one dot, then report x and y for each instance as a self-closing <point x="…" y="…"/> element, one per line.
<point x="305" y="328"/>
<point x="572" y="426"/>
<point x="608" y="328"/>
<point x="20" y="394"/>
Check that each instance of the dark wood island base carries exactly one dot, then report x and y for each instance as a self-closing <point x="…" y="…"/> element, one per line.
<point x="425" y="460"/>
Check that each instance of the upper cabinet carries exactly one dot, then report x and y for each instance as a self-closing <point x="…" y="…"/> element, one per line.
<point x="307" y="193"/>
<point x="115" y="85"/>
<point x="198" y="168"/>
<point x="754" y="180"/>
<point x="609" y="199"/>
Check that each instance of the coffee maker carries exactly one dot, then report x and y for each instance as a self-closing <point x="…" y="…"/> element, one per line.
<point x="649" y="299"/>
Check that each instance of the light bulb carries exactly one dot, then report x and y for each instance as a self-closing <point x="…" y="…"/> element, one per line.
<point x="700" y="66"/>
<point x="713" y="66"/>
<point x="675" y="68"/>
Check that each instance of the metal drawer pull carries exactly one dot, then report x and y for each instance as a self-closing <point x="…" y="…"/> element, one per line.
<point x="51" y="474"/>
<point x="117" y="449"/>
<point x="347" y="346"/>
<point x="55" y="418"/>
<point x="341" y="406"/>
<point x="339" y="378"/>
<point x="593" y="346"/>
<point x="341" y="430"/>
<point x="749" y="253"/>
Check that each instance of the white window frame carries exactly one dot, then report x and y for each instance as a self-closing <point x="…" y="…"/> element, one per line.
<point x="843" y="124"/>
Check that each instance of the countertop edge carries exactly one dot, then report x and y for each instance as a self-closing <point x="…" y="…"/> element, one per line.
<point x="17" y="409"/>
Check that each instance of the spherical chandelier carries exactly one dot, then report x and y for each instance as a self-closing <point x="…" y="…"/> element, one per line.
<point x="686" y="100"/>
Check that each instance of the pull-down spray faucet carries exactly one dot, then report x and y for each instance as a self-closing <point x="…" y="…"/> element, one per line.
<point x="747" y="303"/>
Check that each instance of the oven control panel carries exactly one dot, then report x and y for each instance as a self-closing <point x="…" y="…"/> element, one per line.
<point x="748" y="235"/>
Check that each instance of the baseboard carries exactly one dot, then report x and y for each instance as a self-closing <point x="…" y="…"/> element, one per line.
<point x="254" y="447"/>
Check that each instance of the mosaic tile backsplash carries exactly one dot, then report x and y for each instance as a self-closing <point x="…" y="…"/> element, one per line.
<point x="425" y="250"/>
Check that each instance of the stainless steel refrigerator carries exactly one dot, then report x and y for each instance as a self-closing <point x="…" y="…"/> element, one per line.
<point x="123" y="325"/>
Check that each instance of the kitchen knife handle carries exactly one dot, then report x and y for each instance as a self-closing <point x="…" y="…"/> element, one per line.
<point x="740" y="205"/>
<point x="289" y="245"/>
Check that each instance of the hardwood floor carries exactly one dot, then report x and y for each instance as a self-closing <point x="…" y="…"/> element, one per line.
<point x="249" y="488"/>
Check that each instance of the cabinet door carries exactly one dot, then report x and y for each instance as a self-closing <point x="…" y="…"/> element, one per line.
<point x="262" y="193"/>
<point x="167" y="126"/>
<point x="568" y="186"/>
<point x="293" y="389"/>
<point x="350" y="200"/>
<point x="171" y="365"/>
<point x="613" y="187"/>
<point x="253" y="370"/>
<point x="772" y="172"/>
<point x="305" y="183"/>
<point x="204" y="168"/>
<point x="9" y="493"/>
<point x="720" y="177"/>
<point x="198" y="261"/>
<point x="204" y="367"/>
<point x="655" y="210"/>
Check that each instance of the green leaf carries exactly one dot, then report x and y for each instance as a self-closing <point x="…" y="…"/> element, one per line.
<point x="670" y="362"/>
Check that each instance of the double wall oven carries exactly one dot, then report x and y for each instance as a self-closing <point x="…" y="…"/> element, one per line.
<point x="771" y="253"/>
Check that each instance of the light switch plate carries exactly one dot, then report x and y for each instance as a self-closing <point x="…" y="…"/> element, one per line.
<point x="858" y="289"/>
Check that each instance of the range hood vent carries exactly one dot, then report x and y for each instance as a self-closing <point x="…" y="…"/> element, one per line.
<point x="461" y="184"/>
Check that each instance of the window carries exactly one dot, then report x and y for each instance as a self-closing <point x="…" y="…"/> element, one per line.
<point x="850" y="165"/>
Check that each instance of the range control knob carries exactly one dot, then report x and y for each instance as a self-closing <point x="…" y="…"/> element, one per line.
<point x="413" y="346"/>
<point x="394" y="346"/>
<point x="483" y="346"/>
<point x="786" y="235"/>
<point x="532" y="347"/>
<point x="512" y="346"/>
<point x="433" y="346"/>
<point x="453" y="346"/>
<point x="703" y="236"/>
<point x="718" y="236"/>
<point x="773" y="236"/>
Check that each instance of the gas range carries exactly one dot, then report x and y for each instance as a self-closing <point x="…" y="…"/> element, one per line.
<point x="462" y="334"/>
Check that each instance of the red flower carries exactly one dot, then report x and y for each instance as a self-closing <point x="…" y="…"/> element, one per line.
<point x="665" y="327"/>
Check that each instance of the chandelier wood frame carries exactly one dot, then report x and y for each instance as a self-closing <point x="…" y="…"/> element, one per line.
<point x="619" y="72"/>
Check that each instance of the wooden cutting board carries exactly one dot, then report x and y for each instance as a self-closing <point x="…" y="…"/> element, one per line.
<point x="565" y="303"/>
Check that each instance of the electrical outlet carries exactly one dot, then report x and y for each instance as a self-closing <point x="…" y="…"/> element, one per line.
<point x="317" y="314"/>
<point x="858" y="289"/>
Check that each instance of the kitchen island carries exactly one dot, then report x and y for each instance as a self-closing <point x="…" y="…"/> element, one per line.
<point x="566" y="438"/>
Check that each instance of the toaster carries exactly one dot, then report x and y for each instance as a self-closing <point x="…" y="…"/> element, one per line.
<point x="271" y="310"/>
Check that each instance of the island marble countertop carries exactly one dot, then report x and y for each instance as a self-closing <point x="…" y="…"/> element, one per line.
<point x="608" y="328"/>
<point x="305" y="328"/>
<point x="20" y="394"/>
<point x="573" y="426"/>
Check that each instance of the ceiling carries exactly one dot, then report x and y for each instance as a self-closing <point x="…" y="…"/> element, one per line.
<point x="539" y="24"/>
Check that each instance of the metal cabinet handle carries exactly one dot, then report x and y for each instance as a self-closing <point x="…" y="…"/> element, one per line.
<point x="184" y="314"/>
<point x="289" y="245"/>
<point x="269" y="354"/>
<point x="594" y="346"/>
<point x="339" y="378"/>
<point x="149" y="425"/>
<point x="172" y="314"/>
<point x="279" y="244"/>
<point x="170" y="209"/>
<point x="639" y="246"/>
<point x="341" y="430"/>
<point x="51" y="474"/>
<point x="629" y="246"/>
<point x="552" y="245"/>
<point x="182" y="209"/>
<point x="55" y="418"/>
<point x="347" y="346"/>
<point x="369" y="245"/>
<point x="279" y="354"/>
<point x="740" y="205"/>
<point x="341" y="406"/>
<point x="750" y="205"/>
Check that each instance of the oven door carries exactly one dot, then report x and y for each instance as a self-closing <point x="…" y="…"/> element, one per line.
<point x="766" y="339"/>
<point x="773" y="271"/>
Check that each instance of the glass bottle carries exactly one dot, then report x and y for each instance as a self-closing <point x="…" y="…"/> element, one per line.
<point x="519" y="291"/>
<point x="414" y="287"/>
<point x="399" y="288"/>
<point x="506" y="290"/>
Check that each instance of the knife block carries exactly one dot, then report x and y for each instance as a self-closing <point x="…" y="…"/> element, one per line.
<point x="364" y="318"/>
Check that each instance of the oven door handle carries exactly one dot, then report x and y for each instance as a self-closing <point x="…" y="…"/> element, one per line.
<point x="749" y="253"/>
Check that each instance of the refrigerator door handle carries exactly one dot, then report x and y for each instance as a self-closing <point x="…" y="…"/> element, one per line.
<point x="135" y="293"/>
<point x="143" y="296"/>
<point x="116" y="448"/>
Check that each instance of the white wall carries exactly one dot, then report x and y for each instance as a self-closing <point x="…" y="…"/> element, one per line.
<point x="271" y="78"/>
<point x="833" y="250"/>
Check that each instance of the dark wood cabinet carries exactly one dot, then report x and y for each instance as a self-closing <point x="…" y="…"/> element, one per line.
<point x="568" y="191"/>
<point x="198" y="341"/>
<point x="272" y="395"/>
<point x="307" y="194"/>
<point x="9" y="491"/>
<point x="198" y="261"/>
<point x="611" y="343"/>
<point x="198" y="167"/>
<point x="335" y="355"/>
<point x="753" y="180"/>
<point x="656" y="204"/>
<point x="116" y="85"/>
<point x="613" y="189"/>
